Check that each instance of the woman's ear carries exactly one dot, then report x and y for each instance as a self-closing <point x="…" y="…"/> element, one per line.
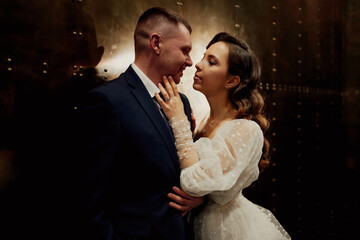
<point x="232" y="82"/>
<point x="155" y="40"/>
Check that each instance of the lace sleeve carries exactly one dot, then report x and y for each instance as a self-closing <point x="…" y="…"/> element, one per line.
<point x="183" y="141"/>
<point x="229" y="159"/>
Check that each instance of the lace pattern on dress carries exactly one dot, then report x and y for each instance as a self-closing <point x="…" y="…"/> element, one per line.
<point x="183" y="139"/>
<point x="276" y="223"/>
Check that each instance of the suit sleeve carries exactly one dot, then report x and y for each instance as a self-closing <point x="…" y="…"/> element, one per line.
<point x="98" y="134"/>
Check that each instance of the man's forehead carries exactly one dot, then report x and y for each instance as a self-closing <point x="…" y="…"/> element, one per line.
<point x="177" y="31"/>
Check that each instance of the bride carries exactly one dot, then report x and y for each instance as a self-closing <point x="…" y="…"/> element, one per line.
<point x="230" y="149"/>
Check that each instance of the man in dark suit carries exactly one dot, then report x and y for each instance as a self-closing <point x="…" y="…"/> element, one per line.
<point x="129" y="160"/>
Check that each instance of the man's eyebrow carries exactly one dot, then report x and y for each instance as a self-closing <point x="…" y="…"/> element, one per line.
<point x="188" y="48"/>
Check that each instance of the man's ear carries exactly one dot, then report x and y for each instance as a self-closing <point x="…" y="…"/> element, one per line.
<point x="232" y="82"/>
<point x="155" y="40"/>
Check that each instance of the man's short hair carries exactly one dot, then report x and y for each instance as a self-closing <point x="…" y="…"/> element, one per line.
<point x="156" y="15"/>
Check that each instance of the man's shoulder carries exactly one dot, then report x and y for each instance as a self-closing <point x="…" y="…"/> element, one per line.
<point x="114" y="85"/>
<point x="108" y="87"/>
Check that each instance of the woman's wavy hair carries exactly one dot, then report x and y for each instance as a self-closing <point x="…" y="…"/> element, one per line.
<point x="246" y="97"/>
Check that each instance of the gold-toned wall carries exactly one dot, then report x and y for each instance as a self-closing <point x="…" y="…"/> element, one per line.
<point x="53" y="52"/>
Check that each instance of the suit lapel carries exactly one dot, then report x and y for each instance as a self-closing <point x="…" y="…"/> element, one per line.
<point x="146" y="102"/>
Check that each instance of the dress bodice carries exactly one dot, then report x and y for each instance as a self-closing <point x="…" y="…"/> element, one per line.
<point x="228" y="162"/>
<point x="225" y="165"/>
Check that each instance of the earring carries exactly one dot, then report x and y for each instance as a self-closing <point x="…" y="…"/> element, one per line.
<point x="226" y="87"/>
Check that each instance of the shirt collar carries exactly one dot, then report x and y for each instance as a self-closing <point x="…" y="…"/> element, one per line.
<point x="149" y="85"/>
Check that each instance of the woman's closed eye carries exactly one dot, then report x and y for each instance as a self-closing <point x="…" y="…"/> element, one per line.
<point x="212" y="62"/>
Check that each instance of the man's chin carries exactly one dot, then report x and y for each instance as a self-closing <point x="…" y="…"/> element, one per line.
<point x="177" y="79"/>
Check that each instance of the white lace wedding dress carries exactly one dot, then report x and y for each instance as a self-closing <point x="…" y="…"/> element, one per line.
<point x="227" y="164"/>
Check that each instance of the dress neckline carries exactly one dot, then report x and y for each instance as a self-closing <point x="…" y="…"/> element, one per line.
<point x="220" y="127"/>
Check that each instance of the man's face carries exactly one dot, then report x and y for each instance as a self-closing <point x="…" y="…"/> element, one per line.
<point x="175" y="55"/>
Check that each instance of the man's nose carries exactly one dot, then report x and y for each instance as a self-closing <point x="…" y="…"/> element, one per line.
<point x="188" y="62"/>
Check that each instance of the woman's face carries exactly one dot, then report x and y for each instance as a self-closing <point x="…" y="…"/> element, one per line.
<point x="211" y="71"/>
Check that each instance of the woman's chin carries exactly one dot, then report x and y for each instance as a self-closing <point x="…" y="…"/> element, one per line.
<point x="196" y="87"/>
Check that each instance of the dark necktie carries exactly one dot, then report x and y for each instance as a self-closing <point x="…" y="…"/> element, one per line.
<point x="163" y="116"/>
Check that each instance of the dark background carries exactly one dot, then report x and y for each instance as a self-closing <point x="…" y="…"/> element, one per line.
<point x="53" y="52"/>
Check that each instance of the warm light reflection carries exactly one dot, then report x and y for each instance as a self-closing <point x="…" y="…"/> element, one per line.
<point x="117" y="64"/>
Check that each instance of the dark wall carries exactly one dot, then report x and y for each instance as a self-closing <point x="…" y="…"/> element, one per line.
<point x="48" y="54"/>
<point x="53" y="52"/>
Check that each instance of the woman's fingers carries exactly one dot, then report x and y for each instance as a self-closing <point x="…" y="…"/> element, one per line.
<point x="169" y="89"/>
<point x="168" y="86"/>
<point x="164" y="93"/>
<point x="173" y="86"/>
<point x="159" y="99"/>
<point x="170" y="103"/>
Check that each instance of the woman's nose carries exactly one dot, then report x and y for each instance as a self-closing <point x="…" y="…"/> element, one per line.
<point x="198" y="67"/>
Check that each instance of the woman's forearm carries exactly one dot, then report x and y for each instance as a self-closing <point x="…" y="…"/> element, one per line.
<point x="184" y="141"/>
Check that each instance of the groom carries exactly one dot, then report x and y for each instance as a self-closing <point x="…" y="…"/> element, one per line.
<point x="129" y="160"/>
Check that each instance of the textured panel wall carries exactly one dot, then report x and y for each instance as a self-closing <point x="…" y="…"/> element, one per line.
<point x="53" y="52"/>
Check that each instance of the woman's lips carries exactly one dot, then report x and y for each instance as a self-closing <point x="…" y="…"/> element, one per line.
<point x="196" y="77"/>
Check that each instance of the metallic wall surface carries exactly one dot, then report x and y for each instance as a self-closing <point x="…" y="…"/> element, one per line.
<point x="53" y="52"/>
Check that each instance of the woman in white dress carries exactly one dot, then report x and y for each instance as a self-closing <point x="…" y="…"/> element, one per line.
<point x="230" y="149"/>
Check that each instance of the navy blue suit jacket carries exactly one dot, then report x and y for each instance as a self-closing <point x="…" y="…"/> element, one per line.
<point x="129" y="163"/>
